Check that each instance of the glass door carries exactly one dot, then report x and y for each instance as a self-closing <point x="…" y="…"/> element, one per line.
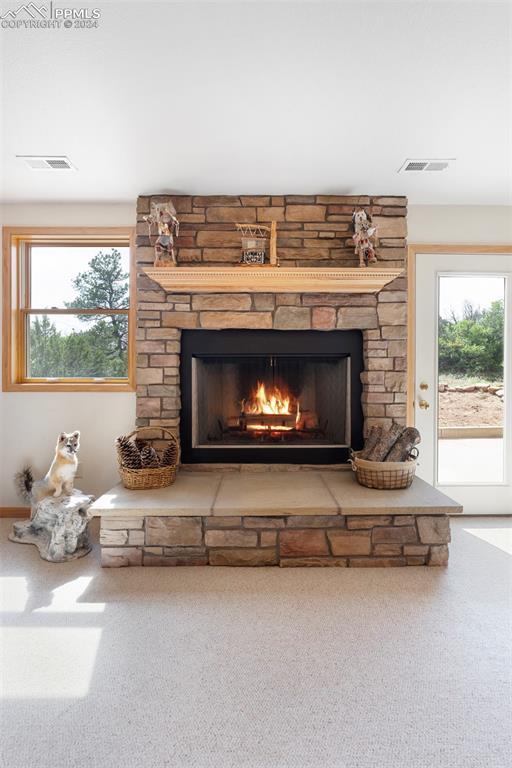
<point x="462" y="393"/>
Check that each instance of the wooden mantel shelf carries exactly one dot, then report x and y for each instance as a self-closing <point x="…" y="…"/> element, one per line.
<point x="246" y="279"/>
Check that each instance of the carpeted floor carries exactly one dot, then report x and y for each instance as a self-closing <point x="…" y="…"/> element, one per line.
<point x="259" y="668"/>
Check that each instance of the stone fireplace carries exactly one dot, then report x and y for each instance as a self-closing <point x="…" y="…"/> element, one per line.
<point x="273" y="370"/>
<point x="339" y="358"/>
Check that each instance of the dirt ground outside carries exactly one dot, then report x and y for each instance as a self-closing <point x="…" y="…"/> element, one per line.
<point x="470" y="409"/>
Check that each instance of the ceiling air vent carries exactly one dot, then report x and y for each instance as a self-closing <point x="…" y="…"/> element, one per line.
<point x="413" y="166"/>
<point x="426" y="165"/>
<point x="437" y="165"/>
<point x="48" y="162"/>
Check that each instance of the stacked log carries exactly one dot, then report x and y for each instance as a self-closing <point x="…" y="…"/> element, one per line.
<point x="370" y="442"/>
<point x="394" y="444"/>
<point x="402" y="448"/>
<point x="384" y="444"/>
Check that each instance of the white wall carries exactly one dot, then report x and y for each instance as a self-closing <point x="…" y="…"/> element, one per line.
<point x="68" y="215"/>
<point x="30" y="422"/>
<point x="464" y="224"/>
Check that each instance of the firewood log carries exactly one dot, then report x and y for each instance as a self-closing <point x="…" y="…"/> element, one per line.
<point x="271" y="419"/>
<point x="370" y="442"/>
<point x="307" y="420"/>
<point x="385" y="443"/>
<point x="404" y="445"/>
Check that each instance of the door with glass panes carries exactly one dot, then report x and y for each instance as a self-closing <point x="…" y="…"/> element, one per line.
<point x="462" y="392"/>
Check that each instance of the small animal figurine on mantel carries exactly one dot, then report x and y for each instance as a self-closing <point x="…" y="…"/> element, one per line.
<point x="59" y="514"/>
<point x="164" y="216"/>
<point x="363" y="237"/>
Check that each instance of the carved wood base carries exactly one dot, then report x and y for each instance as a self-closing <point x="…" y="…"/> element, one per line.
<point x="58" y="527"/>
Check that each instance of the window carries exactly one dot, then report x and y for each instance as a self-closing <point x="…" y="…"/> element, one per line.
<point x="68" y="317"/>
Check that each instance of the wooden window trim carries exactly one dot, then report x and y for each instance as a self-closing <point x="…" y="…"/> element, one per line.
<point x="14" y="304"/>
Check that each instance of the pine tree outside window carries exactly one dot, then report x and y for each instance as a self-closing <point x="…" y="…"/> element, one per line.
<point x="71" y="326"/>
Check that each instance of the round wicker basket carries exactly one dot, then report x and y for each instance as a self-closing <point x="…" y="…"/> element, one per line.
<point x="384" y="475"/>
<point x="148" y="477"/>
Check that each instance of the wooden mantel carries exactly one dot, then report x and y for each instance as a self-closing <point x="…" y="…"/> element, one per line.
<point x="265" y="279"/>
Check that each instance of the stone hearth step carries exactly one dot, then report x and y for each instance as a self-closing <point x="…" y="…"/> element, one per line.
<point x="294" y="518"/>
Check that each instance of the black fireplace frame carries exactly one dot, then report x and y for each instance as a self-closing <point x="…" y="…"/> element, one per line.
<point x="308" y="343"/>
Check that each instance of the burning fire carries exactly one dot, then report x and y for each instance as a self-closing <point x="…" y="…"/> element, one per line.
<point x="274" y="403"/>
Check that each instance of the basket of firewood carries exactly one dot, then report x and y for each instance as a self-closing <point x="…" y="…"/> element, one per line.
<point x="140" y="466"/>
<point x="388" y="459"/>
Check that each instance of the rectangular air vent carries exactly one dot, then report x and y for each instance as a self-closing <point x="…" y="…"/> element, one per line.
<point x="426" y="165"/>
<point x="48" y="162"/>
<point x="415" y="166"/>
<point x="437" y="165"/>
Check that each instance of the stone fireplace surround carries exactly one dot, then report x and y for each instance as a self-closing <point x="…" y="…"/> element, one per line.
<point x="301" y="518"/>
<point x="312" y="231"/>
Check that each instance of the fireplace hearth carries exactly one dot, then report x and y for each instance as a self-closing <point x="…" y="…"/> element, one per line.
<point x="270" y="396"/>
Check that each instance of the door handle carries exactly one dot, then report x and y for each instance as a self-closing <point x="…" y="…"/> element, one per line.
<point x="423" y="405"/>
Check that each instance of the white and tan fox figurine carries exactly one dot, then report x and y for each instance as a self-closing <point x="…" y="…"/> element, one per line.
<point x="59" y="478"/>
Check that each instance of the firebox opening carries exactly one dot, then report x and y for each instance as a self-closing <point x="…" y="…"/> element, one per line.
<point x="270" y="396"/>
<point x="270" y="401"/>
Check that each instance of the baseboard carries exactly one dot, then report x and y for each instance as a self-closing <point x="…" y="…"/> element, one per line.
<point x="458" y="433"/>
<point x="18" y="512"/>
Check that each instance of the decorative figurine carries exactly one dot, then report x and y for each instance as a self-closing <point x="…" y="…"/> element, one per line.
<point x="163" y="216"/>
<point x="58" y="513"/>
<point x="363" y="235"/>
<point x="254" y="243"/>
<point x="59" y="478"/>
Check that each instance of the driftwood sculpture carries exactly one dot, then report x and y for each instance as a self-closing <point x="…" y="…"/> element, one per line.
<point x="57" y="527"/>
<point x="394" y="444"/>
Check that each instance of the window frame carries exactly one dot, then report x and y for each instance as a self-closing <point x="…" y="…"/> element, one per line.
<point x="16" y="304"/>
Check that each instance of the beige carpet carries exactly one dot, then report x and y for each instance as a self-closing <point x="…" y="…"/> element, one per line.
<point x="259" y="668"/>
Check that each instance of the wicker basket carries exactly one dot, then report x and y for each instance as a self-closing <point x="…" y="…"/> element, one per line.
<point x="145" y="478"/>
<point x="384" y="475"/>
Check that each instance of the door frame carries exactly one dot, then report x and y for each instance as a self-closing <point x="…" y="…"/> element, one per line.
<point x="412" y="251"/>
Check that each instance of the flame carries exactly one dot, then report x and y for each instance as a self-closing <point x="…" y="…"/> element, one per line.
<point x="275" y="402"/>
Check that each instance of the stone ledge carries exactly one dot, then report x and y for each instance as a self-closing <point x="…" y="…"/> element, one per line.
<point x="420" y="499"/>
<point x="191" y="495"/>
<point x="281" y="493"/>
<point x="243" y="494"/>
<point x="287" y="541"/>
